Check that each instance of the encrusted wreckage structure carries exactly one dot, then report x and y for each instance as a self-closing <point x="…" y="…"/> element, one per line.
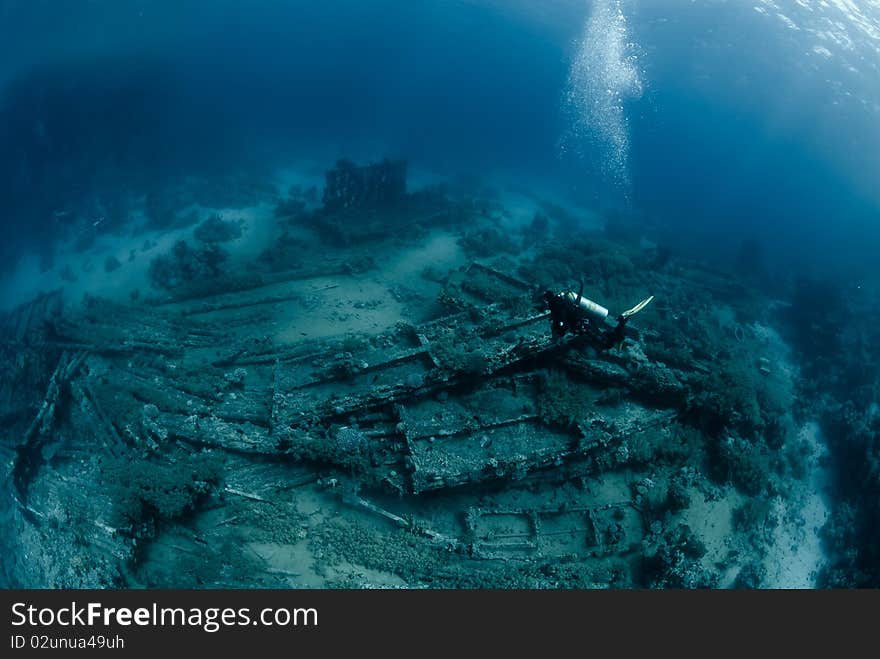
<point x="350" y="186"/>
<point x="176" y="443"/>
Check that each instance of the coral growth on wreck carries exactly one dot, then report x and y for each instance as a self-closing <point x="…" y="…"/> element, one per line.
<point x="185" y="264"/>
<point x="217" y="230"/>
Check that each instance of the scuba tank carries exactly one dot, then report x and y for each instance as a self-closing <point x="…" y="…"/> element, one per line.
<point x="596" y="312"/>
<point x="572" y="312"/>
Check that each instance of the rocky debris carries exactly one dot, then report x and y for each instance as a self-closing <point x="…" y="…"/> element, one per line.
<point x="184" y="264"/>
<point x="351" y="440"/>
<point x="217" y="230"/>
<point x="672" y="559"/>
<point x="152" y="427"/>
<point x="235" y="379"/>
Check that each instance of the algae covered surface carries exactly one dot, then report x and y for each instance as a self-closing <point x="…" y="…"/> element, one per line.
<point x="355" y="415"/>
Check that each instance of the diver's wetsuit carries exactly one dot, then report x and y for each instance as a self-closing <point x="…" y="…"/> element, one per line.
<point x="564" y="316"/>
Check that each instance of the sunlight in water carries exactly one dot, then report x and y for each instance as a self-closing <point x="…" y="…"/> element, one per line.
<point x="604" y="74"/>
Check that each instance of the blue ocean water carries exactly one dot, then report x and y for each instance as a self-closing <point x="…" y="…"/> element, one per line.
<point x="720" y="121"/>
<point x="742" y="133"/>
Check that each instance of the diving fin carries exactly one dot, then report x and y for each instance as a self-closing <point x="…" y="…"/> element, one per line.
<point x="641" y="305"/>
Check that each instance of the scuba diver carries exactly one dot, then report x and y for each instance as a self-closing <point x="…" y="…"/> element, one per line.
<point x="572" y="312"/>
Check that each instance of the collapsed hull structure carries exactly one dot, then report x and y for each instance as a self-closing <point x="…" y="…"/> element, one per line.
<point x="177" y="443"/>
